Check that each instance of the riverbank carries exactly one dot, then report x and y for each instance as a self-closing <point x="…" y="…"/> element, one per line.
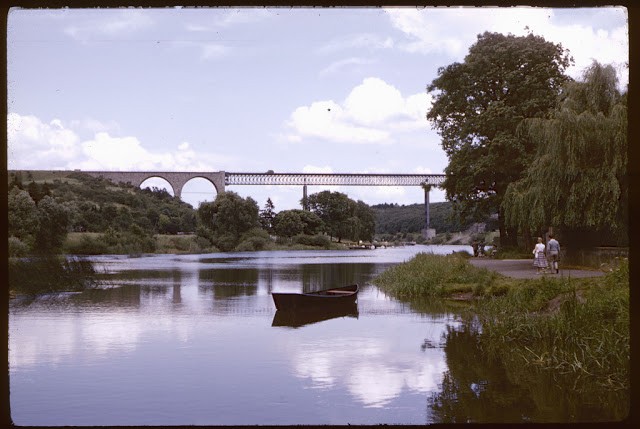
<point x="573" y="325"/>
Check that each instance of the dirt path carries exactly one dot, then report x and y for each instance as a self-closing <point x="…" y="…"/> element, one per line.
<point x="524" y="269"/>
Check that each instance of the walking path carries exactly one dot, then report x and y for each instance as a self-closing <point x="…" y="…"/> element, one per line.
<point x="524" y="269"/>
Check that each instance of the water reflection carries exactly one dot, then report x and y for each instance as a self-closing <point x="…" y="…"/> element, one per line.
<point x="375" y="371"/>
<point x="298" y="318"/>
<point x="496" y="387"/>
<point x="192" y="339"/>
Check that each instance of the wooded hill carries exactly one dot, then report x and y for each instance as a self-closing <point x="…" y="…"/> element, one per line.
<point x="394" y="218"/>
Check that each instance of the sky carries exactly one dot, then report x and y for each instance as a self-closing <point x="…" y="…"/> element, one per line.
<point x="340" y="90"/>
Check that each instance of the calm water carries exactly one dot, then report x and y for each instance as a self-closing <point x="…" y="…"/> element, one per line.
<point x="194" y="339"/>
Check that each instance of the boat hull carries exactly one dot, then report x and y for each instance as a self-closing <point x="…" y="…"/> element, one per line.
<point x="328" y="297"/>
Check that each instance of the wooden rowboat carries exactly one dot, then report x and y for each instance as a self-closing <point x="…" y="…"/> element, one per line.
<point x="327" y="297"/>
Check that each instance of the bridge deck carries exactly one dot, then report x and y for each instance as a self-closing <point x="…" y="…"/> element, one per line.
<point x="347" y="179"/>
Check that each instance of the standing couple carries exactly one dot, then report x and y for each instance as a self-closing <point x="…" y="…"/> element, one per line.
<point x="540" y="259"/>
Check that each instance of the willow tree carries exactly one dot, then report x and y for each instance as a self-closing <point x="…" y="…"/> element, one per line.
<point x="478" y="105"/>
<point x="578" y="179"/>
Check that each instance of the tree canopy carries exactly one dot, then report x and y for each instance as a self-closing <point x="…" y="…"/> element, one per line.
<point x="342" y="216"/>
<point x="227" y="218"/>
<point x="477" y="108"/>
<point x="578" y="179"/>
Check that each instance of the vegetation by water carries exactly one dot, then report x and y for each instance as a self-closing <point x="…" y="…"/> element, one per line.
<point x="574" y="330"/>
<point x="49" y="274"/>
<point x="429" y="275"/>
<point x="51" y="213"/>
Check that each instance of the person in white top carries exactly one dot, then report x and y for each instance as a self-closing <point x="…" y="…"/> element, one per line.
<point x="540" y="260"/>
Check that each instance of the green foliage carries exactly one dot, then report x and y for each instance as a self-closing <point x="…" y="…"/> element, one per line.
<point x="321" y="241"/>
<point x="343" y="217"/>
<point x="394" y="218"/>
<point x="253" y="240"/>
<point x="288" y="223"/>
<point x="578" y="180"/>
<point x="91" y="205"/>
<point x="17" y="248"/>
<point x="478" y="105"/>
<point x="53" y="221"/>
<point x="23" y="217"/>
<point x="267" y="215"/>
<point x="227" y="218"/>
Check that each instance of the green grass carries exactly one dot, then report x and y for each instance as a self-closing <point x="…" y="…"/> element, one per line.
<point x="429" y="275"/>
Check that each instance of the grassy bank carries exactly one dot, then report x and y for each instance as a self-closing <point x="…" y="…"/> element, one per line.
<point x="576" y="328"/>
<point x="428" y="275"/>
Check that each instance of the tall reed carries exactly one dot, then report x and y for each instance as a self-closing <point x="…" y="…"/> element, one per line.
<point x="430" y="275"/>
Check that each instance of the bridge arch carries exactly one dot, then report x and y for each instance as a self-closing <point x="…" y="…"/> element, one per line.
<point x="157" y="182"/>
<point x="198" y="190"/>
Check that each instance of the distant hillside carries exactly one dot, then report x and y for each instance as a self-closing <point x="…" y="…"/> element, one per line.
<point x="394" y="218"/>
<point x="95" y="205"/>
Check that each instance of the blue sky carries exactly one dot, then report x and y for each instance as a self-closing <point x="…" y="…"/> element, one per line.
<point x="256" y="89"/>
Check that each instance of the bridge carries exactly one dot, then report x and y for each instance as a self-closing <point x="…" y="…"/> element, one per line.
<point x="221" y="179"/>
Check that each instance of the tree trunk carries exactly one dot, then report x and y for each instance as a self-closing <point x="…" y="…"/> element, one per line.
<point x="508" y="236"/>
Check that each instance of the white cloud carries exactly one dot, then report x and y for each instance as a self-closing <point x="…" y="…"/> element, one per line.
<point x="369" y="114"/>
<point x="328" y="120"/>
<point x="33" y="144"/>
<point x="451" y="31"/>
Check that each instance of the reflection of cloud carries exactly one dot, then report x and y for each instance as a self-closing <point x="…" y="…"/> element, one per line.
<point x="375" y="384"/>
<point x="316" y="366"/>
<point x="39" y="341"/>
<point x="373" y="370"/>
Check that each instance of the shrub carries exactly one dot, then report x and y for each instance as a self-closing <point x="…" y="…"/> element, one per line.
<point x="17" y="248"/>
<point x="313" y="240"/>
<point x="87" y="245"/>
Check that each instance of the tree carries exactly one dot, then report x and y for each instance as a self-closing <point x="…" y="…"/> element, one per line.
<point x="342" y="216"/>
<point x="228" y="217"/>
<point x="578" y="180"/>
<point x="23" y="217"/>
<point x="477" y="107"/>
<point x="267" y="215"/>
<point x="288" y="223"/>
<point x="53" y="223"/>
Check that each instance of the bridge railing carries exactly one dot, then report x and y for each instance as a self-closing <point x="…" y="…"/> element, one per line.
<point x="348" y="179"/>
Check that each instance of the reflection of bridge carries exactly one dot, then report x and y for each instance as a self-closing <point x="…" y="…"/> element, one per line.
<point x="221" y="179"/>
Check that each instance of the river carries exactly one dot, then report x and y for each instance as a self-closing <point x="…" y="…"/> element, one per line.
<point x="195" y="340"/>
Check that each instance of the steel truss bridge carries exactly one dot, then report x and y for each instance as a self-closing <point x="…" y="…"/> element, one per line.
<point x="331" y="179"/>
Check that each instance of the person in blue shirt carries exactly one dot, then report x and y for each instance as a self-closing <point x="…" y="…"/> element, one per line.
<point x="553" y="247"/>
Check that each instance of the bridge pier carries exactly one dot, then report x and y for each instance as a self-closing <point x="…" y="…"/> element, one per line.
<point x="427" y="232"/>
